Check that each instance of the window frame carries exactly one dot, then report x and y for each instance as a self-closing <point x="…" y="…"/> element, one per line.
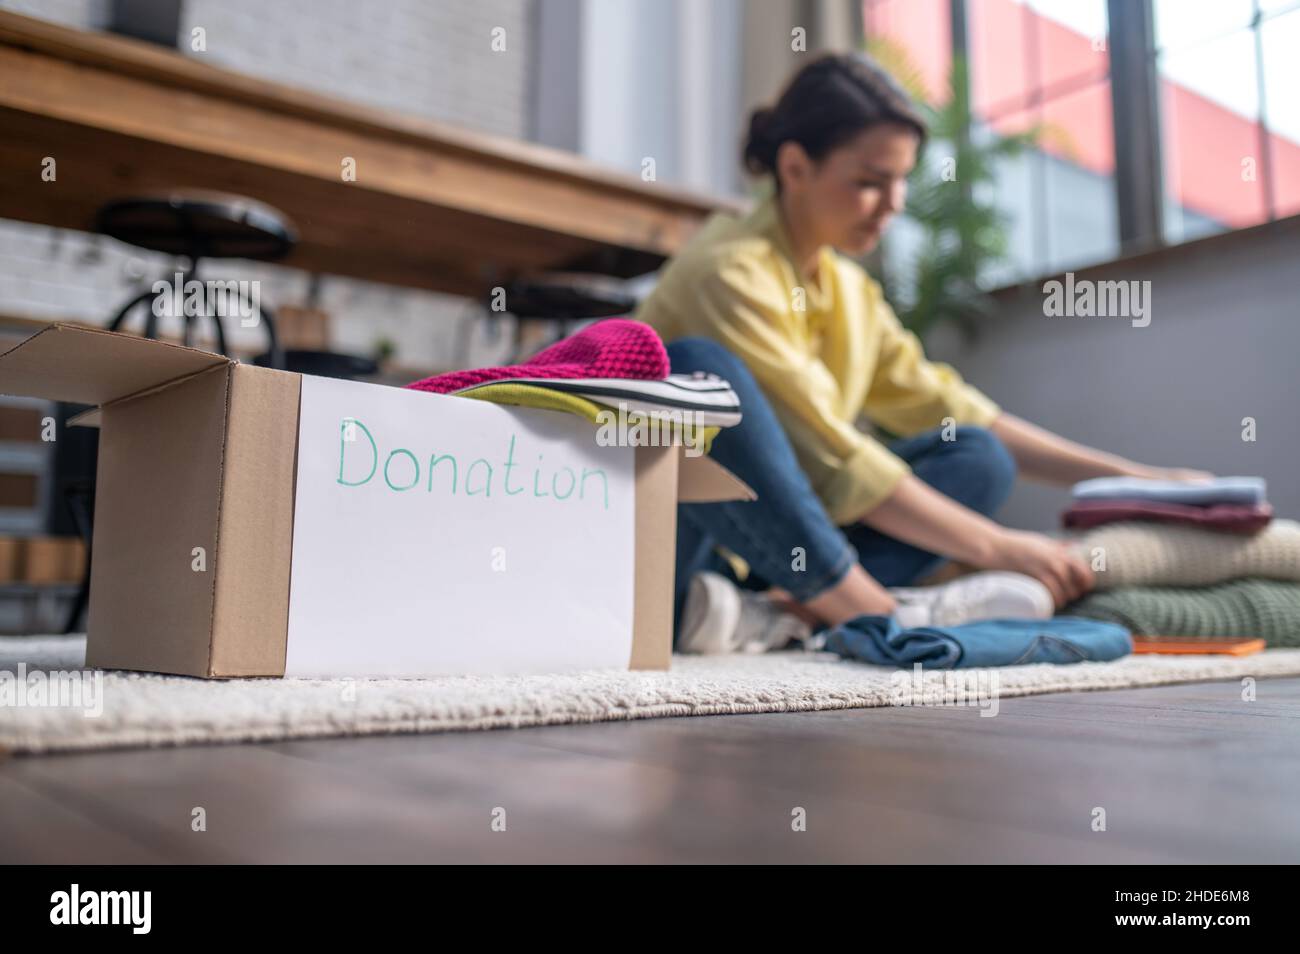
<point x="1136" y="116"/>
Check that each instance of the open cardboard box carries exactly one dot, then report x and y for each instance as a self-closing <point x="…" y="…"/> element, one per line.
<point x="199" y="450"/>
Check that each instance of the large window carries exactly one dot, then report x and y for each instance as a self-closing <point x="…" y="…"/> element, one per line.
<point x="1043" y="64"/>
<point x="1228" y="71"/>
<point x="1222" y="77"/>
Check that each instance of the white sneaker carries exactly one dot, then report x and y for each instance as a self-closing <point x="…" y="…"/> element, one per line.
<point x="990" y="595"/>
<point x="710" y="616"/>
<point x="721" y="618"/>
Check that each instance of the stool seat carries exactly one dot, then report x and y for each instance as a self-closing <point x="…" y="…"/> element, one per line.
<point x="566" y="296"/>
<point x="199" y="224"/>
<point x="196" y="224"/>
<point x="325" y="364"/>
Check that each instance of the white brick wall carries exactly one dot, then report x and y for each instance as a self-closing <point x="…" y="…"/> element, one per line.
<point x="431" y="59"/>
<point x="82" y="14"/>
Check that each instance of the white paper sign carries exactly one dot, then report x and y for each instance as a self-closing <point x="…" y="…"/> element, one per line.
<point x="442" y="535"/>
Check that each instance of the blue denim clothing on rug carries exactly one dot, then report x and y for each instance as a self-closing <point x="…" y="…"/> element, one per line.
<point x="998" y="642"/>
<point x="974" y="469"/>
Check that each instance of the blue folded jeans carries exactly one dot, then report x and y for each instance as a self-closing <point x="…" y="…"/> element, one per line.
<point x="998" y="642"/>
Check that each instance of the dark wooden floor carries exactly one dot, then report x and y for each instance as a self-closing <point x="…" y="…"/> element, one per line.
<point x="1184" y="774"/>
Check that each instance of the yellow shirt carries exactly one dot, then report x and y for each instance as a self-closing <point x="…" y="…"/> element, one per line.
<point x="826" y="352"/>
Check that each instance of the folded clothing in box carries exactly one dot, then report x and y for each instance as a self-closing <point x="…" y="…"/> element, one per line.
<point x="613" y="348"/>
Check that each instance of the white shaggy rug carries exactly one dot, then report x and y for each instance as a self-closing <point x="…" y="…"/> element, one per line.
<point x="151" y="710"/>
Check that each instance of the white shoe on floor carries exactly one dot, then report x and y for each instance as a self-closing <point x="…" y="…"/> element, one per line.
<point x="719" y="617"/>
<point x="989" y="595"/>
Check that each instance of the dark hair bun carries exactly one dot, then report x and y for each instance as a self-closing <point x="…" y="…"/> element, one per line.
<point x="760" y="144"/>
<point x="828" y="102"/>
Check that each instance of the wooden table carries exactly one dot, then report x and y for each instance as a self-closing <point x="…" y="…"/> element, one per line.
<point x="433" y="206"/>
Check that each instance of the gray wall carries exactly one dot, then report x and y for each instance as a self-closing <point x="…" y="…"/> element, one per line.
<point x="1223" y="344"/>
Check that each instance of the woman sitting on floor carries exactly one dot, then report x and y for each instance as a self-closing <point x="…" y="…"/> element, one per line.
<point x="807" y="340"/>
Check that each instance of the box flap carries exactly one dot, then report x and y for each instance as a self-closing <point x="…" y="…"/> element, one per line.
<point x="701" y="479"/>
<point x="67" y="362"/>
<point x="90" y="418"/>
<point x="157" y="508"/>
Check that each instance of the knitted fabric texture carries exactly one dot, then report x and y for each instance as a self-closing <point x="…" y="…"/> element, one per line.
<point x="1267" y="609"/>
<point x="613" y="348"/>
<point x="1149" y="554"/>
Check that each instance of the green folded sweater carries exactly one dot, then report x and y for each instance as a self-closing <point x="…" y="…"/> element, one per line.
<point x="1267" y="609"/>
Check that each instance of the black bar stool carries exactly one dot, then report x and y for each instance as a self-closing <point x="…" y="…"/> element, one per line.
<point x="198" y="225"/>
<point x="324" y="364"/>
<point x="195" y="225"/>
<point x="564" y="298"/>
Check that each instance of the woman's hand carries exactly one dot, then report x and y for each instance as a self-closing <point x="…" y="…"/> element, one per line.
<point x="1042" y="455"/>
<point x="1170" y="473"/>
<point x="1054" y="563"/>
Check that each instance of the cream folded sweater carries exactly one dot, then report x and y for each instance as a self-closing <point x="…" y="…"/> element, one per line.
<point x="1151" y="554"/>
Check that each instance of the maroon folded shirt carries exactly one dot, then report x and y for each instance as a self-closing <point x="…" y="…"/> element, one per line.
<point x="1230" y="518"/>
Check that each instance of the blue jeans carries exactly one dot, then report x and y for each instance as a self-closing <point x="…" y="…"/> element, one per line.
<point x="786" y="536"/>
<point x="995" y="642"/>
<point x="975" y="469"/>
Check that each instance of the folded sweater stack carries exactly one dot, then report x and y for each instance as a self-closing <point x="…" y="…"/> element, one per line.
<point x="1229" y="504"/>
<point x="1267" y="609"/>
<point x="1151" y="554"/>
<point x="1184" y="579"/>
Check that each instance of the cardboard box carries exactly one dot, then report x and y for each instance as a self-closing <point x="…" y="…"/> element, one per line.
<point x="200" y="453"/>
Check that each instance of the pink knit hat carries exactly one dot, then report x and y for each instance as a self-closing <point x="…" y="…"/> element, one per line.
<point x="613" y="348"/>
